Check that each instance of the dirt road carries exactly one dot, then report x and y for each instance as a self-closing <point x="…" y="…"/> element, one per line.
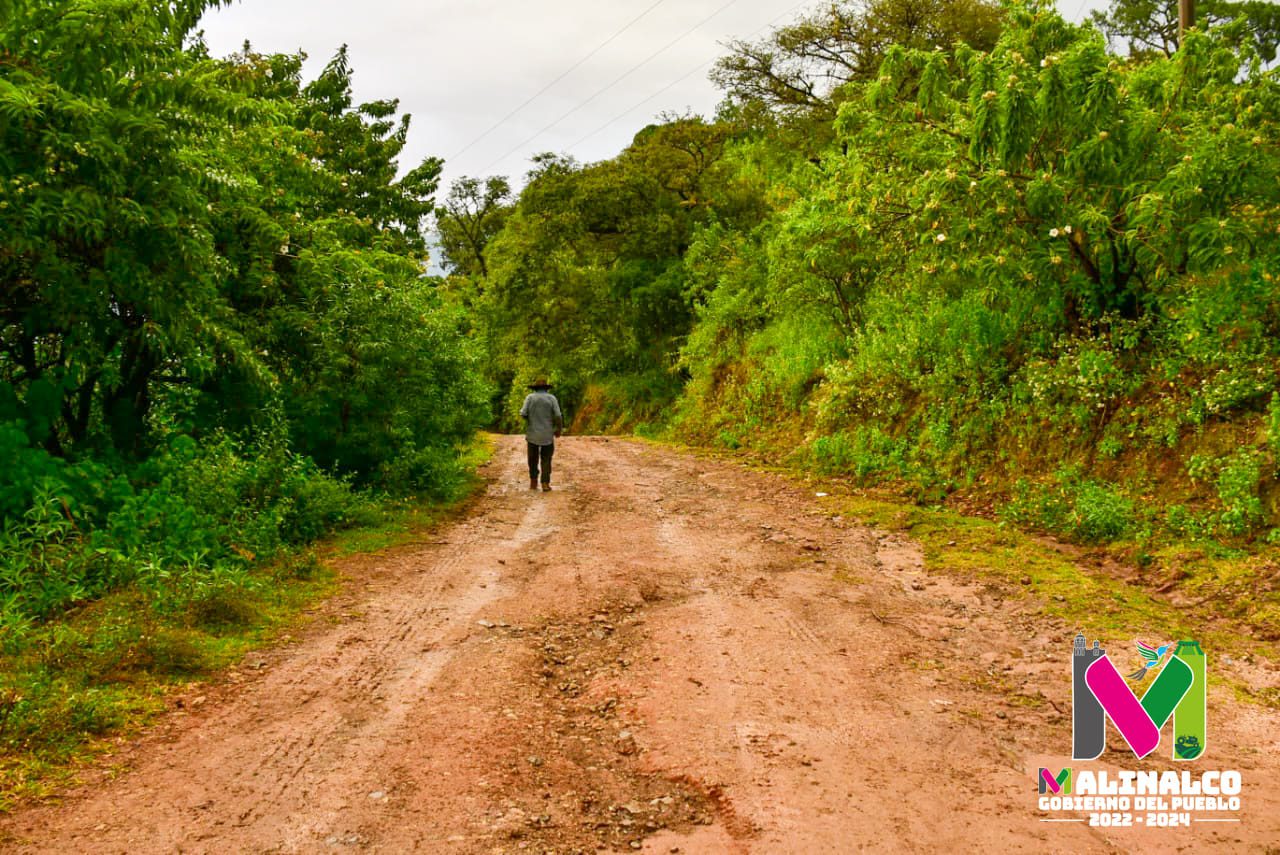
<point x="666" y="654"/>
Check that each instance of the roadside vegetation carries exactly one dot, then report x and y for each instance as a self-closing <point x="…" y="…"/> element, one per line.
<point x="982" y="257"/>
<point x="103" y="669"/>
<point x="961" y="251"/>
<point x="217" y="347"/>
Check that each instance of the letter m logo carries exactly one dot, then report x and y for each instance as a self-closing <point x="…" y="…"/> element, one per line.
<point x="1055" y="785"/>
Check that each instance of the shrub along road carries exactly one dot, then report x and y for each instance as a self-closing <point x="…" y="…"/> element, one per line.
<point x="665" y="654"/>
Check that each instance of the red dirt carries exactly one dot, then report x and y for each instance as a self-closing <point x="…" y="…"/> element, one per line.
<point x="666" y="654"/>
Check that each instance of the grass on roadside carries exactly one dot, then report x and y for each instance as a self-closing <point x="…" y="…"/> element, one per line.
<point x="96" y="676"/>
<point x="1097" y="602"/>
<point x="89" y="680"/>
<point x="1223" y="597"/>
<point x="977" y="548"/>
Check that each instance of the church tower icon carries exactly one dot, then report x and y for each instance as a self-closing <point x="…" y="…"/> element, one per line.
<point x="1088" y="720"/>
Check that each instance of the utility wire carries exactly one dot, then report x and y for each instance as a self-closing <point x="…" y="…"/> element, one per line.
<point x="562" y="76"/>
<point x="681" y="79"/>
<point x="673" y="84"/>
<point x="612" y="84"/>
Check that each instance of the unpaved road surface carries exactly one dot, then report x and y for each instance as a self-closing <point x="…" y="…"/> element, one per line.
<point x="666" y="654"/>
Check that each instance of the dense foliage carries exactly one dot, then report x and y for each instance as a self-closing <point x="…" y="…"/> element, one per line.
<point x="214" y="320"/>
<point x="590" y="259"/>
<point x="1151" y="26"/>
<point x="962" y="248"/>
<point x="1006" y="263"/>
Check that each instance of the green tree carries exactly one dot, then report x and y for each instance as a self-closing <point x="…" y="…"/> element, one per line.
<point x="1047" y="162"/>
<point x="471" y="216"/>
<point x="183" y="239"/>
<point x="1002" y="258"/>
<point x="585" y="280"/>
<point x="1146" y="27"/>
<point x="802" y="67"/>
<point x="368" y="365"/>
<point x="110" y="274"/>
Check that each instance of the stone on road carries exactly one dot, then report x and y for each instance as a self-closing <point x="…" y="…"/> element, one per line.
<point x="664" y="654"/>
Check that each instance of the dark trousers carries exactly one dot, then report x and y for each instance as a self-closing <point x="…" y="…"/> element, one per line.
<point x="540" y="454"/>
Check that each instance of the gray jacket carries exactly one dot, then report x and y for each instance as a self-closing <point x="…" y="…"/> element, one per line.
<point x="542" y="418"/>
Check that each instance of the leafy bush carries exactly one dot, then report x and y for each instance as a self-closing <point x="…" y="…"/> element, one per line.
<point x="46" y="566"/>
<point x="1035" y="254"/>
<point x="1100" y="514"/>
<point x="186" y="534"/>
<point x="1239" y="477"/>
<point x="1083" y="510"/>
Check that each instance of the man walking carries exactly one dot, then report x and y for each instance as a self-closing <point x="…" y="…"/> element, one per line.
<point x="543" y="423"/>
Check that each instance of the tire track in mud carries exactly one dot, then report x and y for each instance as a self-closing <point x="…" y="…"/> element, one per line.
<point x="361" y="718"/>
<point x="664" y="654"/>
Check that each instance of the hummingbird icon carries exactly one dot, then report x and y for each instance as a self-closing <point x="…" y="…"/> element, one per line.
<point x="1151" y="657"/>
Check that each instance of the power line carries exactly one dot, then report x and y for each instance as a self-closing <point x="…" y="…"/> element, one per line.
<point x="635" y="107"/>
<point x="681" y="79"/>
<point x="612" y="84"/>
<point x="562" y="76"/>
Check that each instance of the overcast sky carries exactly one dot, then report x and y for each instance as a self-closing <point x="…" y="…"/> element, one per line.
<point x="461" y="67"/>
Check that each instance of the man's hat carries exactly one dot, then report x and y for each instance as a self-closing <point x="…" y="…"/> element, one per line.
<point x="540" y="383"/>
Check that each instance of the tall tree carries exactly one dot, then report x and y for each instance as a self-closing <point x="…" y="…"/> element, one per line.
<point x="109" y="275"/>
<point x="802" y="67"/>
<point x="1145" y="27"/>
<point x="585" y="277"/>
<point x="471" y="215"/>
<point x="194" y="242"/>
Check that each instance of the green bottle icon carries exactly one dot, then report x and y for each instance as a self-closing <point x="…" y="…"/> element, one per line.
<point x="1190" y="715"/>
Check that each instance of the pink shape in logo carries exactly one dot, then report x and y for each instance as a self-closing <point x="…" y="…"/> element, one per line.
<point x="1122" y="705"/>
